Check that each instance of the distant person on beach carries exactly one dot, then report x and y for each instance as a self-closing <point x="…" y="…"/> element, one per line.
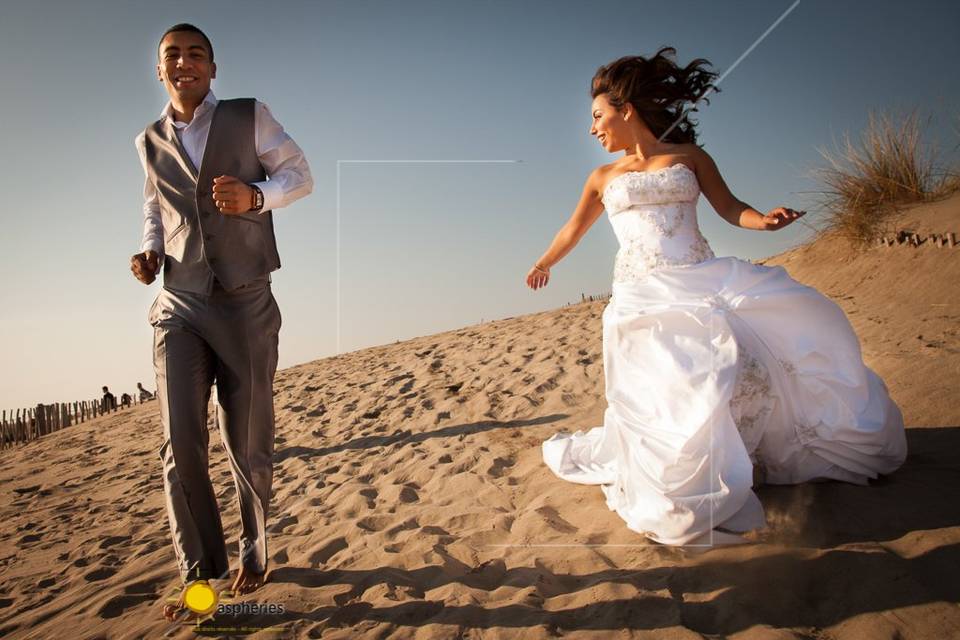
<point x="720" y="374"/>
<point x="109" y="401"/>
<point x="215" y="169"/>
<point x="144" y="394"/>
<point x="126" y="400"/>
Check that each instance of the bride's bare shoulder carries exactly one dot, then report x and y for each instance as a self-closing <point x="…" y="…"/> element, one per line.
<point x="686" y="153"/>
<point x="599" y="177"/>
<point x="699" y="157"/>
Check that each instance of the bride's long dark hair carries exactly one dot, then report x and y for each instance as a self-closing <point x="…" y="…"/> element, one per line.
<point x="658" y="89"/>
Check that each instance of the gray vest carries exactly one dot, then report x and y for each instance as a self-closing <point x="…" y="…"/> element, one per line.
<point x="200" y="242"/>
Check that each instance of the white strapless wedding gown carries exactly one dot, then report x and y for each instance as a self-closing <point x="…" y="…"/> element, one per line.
<point x="715" y="365"/>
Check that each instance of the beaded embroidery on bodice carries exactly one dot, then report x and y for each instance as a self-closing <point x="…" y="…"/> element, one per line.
<point x="654" y="216"/>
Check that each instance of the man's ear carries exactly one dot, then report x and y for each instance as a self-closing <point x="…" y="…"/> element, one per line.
<point x="159" y="73"/>
<point x="213" y="70"/>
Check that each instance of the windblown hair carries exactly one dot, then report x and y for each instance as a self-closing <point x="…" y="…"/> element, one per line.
<point x="185" y="26"/>
<point x="658" y="89"/>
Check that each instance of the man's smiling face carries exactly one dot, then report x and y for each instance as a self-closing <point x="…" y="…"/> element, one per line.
<point x="185" y="66"/>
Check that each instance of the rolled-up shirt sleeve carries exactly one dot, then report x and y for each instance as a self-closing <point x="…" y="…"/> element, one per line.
<point x="152" y="239"/>
<point x="286" y="166"/>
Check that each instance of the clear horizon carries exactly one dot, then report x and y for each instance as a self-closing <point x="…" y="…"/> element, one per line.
<point x="428" y="246"/>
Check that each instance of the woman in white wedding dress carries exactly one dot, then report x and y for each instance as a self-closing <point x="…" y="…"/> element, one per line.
<point x="717" y="370"/>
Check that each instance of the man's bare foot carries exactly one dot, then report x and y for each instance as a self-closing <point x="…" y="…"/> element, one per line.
<point x="178" y="610"/>
<point x="247" y="581"/>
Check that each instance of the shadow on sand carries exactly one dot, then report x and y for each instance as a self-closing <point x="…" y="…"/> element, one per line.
<point x="800" y="580"/>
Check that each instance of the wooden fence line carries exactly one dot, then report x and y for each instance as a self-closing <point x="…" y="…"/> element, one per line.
<point x="28" y="424"/>
<point x="912" y="239"/>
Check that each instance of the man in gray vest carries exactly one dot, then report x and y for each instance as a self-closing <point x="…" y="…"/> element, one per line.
<point x="214" y="171"/>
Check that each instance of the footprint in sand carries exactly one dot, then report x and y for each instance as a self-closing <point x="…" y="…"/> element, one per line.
<point x="26" y="490"/>
<point x="431" y="530"/>
<point x="149" y="547"/>
<point x="374" y="523"/>
<point x="134" y="595"/>
<point x="327" y="551"/>
<point x="554" y="521"/>
<point x="406" y="525"/>
<point x="499" y="465"/>
<point x="395" y="379"/>
<point x="109" y="541"/>
<point x="408" y="494"/>
<point x="116" y="605"/>
<point x="99" y="574"/>
<point x="548" y="385"/>
<point x="95" y="476"/>
<point x="288" y="521"/>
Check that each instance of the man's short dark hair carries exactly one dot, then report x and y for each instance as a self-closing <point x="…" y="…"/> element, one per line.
<point x="185" y="26"/>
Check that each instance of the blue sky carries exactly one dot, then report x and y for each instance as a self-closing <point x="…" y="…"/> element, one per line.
<point x="425" y="247"/>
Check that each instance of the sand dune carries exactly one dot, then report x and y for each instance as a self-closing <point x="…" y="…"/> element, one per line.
<point x="410" y="496"/>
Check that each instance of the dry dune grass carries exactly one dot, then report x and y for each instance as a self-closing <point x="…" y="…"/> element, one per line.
<point x="866" y="184"/>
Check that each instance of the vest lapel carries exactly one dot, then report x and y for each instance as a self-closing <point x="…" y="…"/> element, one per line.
<point x="212" y="137"/>
<point x="184" y="158"/>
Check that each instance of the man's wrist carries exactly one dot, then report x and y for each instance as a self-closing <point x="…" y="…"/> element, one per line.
<point x="256" y="198"/>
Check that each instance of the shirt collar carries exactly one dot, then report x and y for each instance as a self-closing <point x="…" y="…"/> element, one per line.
<point x="209" y="102"/>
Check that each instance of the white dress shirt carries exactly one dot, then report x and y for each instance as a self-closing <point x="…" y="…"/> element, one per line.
<point x="284" y="162"/>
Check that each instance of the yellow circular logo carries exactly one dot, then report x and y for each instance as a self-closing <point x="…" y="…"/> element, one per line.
<point x="200" y="597"/>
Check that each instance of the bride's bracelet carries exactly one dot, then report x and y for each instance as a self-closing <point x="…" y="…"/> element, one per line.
<point x="541" y="269"/>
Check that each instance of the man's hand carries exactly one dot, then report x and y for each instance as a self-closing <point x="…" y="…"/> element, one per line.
<point x="144" y="266"/>
<point x="231" y="195"/>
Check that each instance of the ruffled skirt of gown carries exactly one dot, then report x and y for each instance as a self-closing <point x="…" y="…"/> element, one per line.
<point x="712" y="369"/>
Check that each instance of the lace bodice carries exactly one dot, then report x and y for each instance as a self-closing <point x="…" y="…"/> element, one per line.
<point x="654" y="216"/>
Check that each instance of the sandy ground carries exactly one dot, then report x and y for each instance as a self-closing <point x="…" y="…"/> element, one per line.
<point x="411" y="499"/>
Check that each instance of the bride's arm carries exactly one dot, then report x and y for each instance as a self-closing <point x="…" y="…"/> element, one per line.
<point x="584" y="215"/>
<point x="729" y="207"/>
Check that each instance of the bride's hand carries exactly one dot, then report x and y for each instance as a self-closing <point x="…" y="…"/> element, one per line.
<point x="780" y="217"/>
<point x="538" y="277"/>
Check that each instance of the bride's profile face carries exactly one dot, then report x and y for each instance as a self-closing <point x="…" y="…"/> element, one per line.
<point x="609" y="127"/>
